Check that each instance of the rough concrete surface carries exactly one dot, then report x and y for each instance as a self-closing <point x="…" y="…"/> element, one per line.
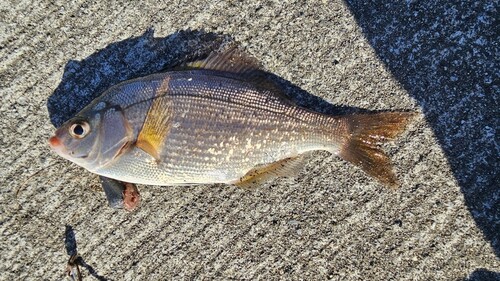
<point x="332" y="221"/>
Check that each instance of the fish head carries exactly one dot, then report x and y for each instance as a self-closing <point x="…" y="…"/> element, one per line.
<point x="94" y="137"/>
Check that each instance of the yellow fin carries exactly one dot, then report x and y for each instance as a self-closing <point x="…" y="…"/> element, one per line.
<point x="157" y="124"/>
<point x="151" y="148"/>
<point x="283" y="168"/>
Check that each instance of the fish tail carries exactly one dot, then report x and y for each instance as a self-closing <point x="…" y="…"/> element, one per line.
<point x="366" y="132"/>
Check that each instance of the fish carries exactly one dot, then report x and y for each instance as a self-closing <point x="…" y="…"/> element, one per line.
<point x="217" y="120"/>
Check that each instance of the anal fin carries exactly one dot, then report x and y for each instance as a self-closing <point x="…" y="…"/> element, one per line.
<point x="283" y="168"/>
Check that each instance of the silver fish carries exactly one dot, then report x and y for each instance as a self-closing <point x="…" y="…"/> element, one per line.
<point x="219" y="120"/>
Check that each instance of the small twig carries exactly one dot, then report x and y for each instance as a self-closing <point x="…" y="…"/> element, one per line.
<point x="33" y="175"/>
<point x="72" y="268"/>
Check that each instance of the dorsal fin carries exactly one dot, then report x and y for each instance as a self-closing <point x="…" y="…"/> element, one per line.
<point x="229" y="60"/>
<point x="241" y="66"/>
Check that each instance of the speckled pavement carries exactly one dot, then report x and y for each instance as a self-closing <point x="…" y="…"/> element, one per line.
<point x="332" y="221"/>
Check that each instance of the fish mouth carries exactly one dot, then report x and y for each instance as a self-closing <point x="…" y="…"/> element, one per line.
<point x="58" y="147"/>
<point x="54" y="142"/>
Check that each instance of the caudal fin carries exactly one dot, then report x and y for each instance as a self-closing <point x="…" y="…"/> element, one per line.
<point x="366" y="133"/>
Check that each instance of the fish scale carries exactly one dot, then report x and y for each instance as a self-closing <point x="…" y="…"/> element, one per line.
<point x="237" y="118"/>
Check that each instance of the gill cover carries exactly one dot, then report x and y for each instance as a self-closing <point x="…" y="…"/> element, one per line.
<point x="115" y="135"/>
<point x="95" y="137"/>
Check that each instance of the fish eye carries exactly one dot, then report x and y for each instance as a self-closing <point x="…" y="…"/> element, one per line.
<point x="79" y="129"/>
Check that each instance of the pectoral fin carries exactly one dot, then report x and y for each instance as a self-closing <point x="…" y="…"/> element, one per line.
<point x="282" y="168"/>
<point x="157" y="124"/>
<point x="151" y="148"/>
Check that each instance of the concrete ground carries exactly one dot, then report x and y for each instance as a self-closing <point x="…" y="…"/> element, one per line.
<point x="332" y="221"/>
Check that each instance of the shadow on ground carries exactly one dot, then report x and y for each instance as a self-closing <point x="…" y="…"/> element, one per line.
<point x="483" y="275"/>
<point x="75" y="259"/>
<point x="85" y="80"/>
<point x="445" y="54"/>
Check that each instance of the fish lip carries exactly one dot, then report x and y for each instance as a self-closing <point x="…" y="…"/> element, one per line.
<point x="57" y="146"/>
<point x="54" y="142"/>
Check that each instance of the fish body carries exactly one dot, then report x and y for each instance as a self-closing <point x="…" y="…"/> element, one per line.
<point x="216" y="121"/>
